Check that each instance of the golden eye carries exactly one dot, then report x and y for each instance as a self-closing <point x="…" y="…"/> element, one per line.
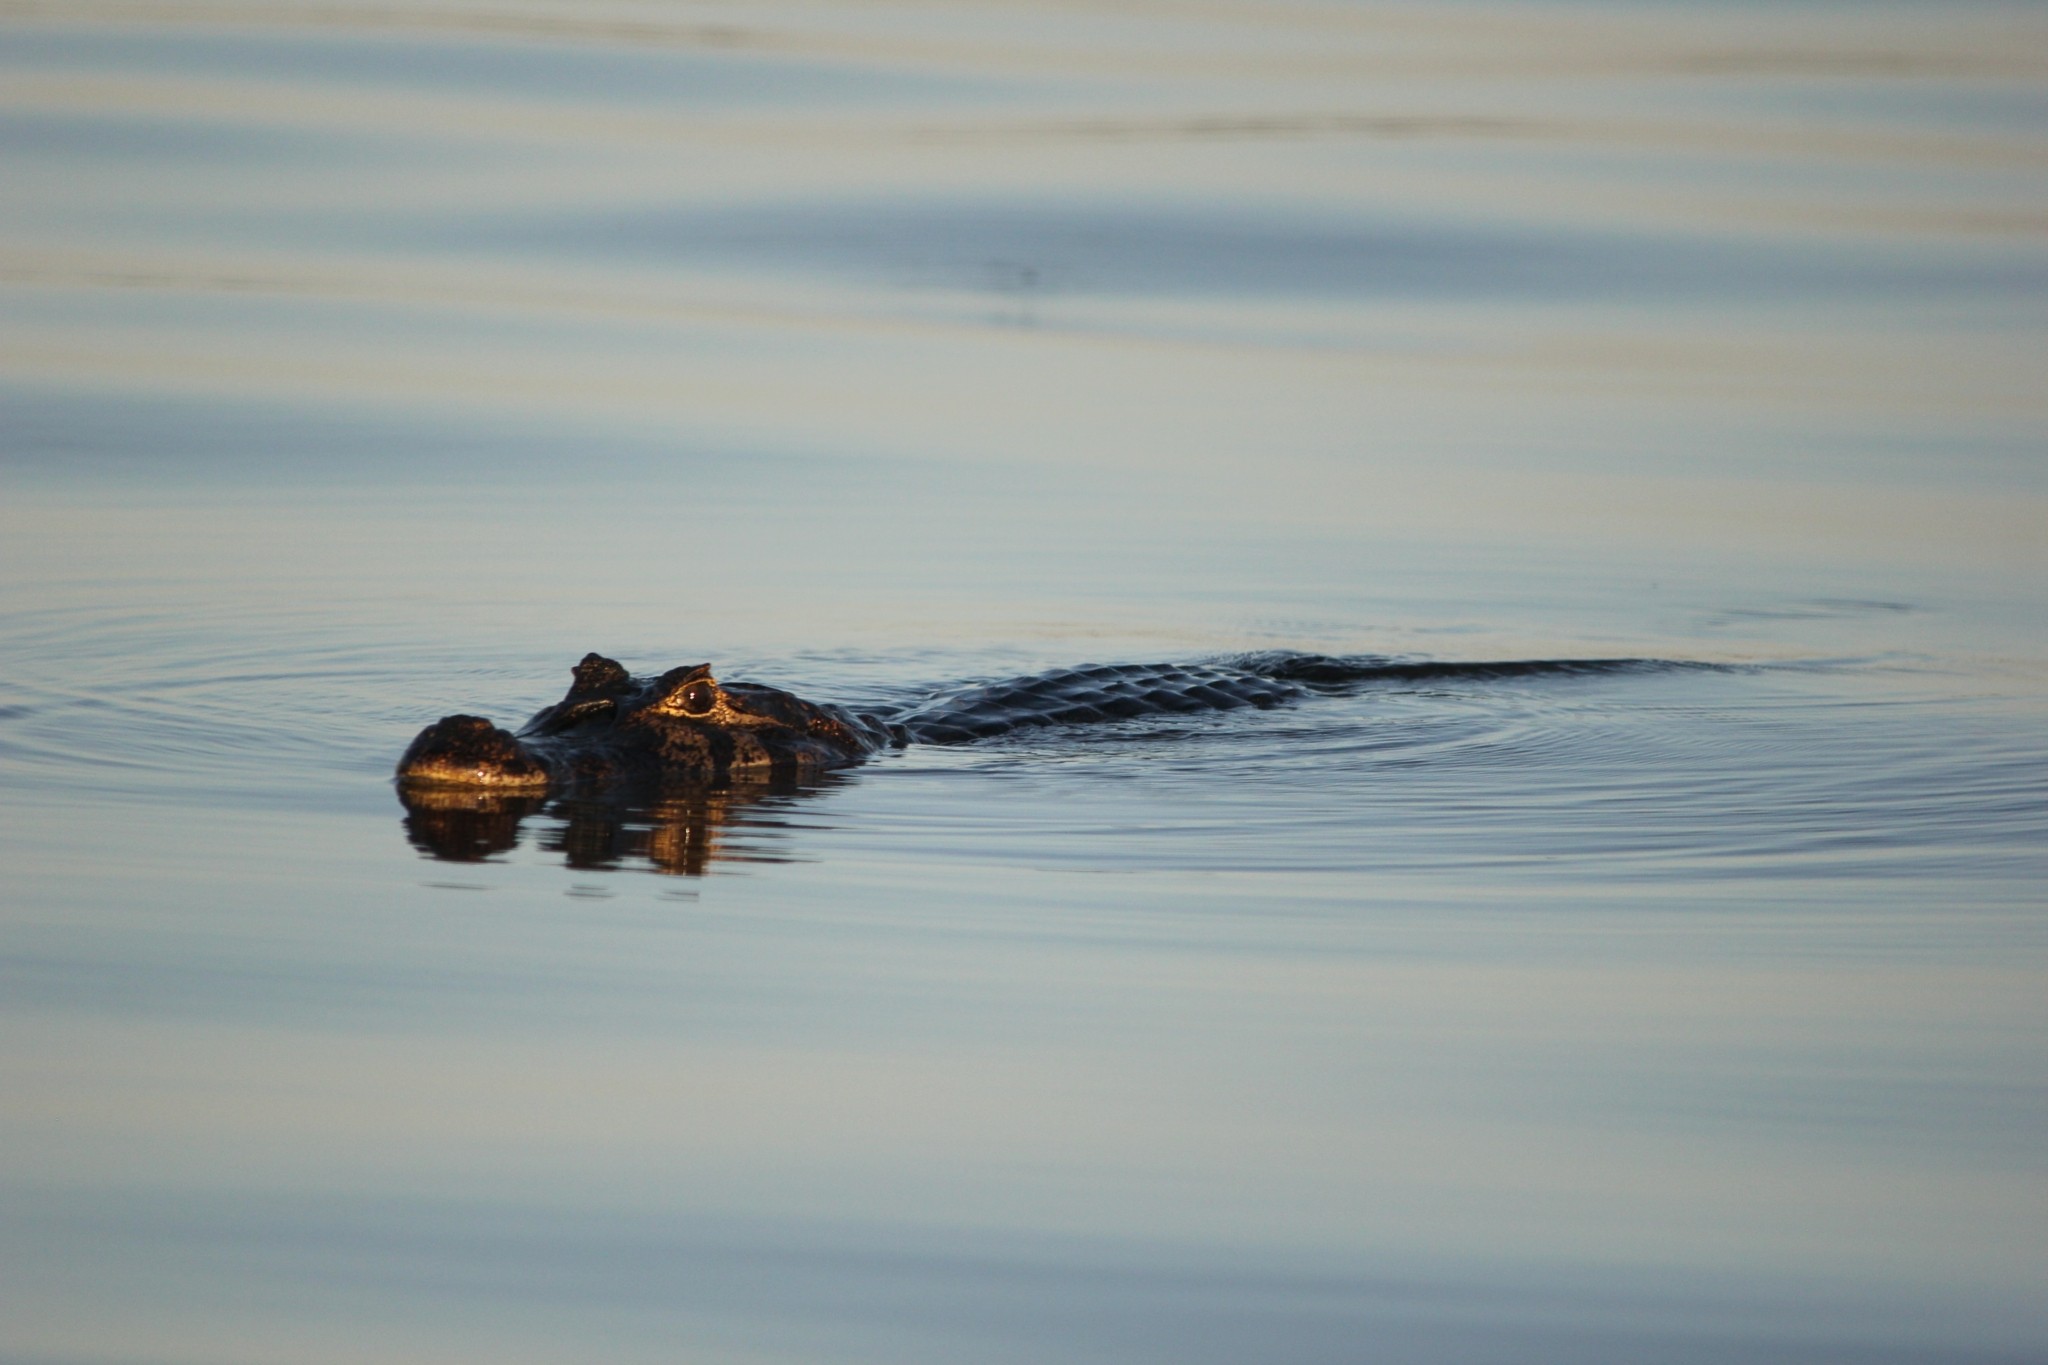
<point x="699" y="698"/>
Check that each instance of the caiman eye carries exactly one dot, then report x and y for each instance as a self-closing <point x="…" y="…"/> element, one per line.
<point x="699" y="698"/>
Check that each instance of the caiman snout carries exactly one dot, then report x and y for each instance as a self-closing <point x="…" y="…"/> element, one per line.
<point x="469" y="751"/>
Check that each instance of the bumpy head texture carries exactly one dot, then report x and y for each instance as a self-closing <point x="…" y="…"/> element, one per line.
<point x="683" y="726"/>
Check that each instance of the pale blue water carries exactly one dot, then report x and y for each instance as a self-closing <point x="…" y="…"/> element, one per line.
<point x="359" y="366"/>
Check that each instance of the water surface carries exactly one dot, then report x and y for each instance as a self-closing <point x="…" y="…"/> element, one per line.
<point x="361" y="365"/>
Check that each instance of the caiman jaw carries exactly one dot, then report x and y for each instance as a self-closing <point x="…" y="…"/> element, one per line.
<point x="469" y="751"/>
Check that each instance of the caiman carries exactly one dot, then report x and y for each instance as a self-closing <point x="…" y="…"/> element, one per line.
<point x="687" y="727"/>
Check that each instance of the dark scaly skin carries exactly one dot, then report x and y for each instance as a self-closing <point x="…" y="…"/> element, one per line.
<point x="1077" y="696"/>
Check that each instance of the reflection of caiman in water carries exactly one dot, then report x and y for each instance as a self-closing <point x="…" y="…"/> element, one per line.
<point x="682" y="829"/>
<point x="655" y="768"/>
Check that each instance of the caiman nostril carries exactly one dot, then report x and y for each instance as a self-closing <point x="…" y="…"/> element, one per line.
<point x="469" y="751"/>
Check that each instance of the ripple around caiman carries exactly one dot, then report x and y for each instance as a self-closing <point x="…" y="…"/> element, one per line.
<point x="655" y="767"/>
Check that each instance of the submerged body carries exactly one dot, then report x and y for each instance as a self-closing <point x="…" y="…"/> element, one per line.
<point x="612" y="729"/>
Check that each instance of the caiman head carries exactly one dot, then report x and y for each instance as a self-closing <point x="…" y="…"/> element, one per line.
<point x="684" y="726"/>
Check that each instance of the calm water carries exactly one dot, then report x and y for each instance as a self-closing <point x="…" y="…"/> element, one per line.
<point x="360" y="364"/>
